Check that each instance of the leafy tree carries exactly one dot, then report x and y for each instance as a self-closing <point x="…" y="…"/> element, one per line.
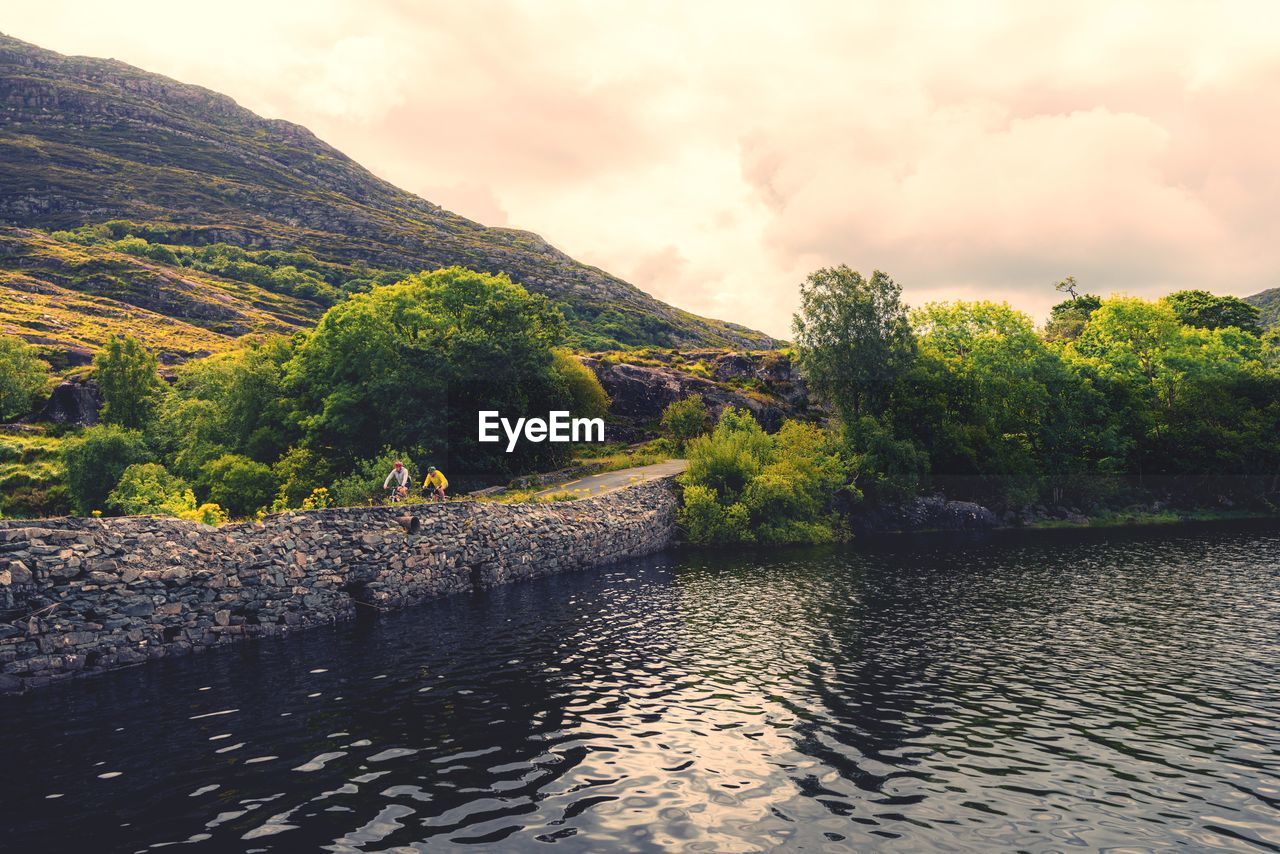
<point x="1067" y="286"/>
<point x="409" y="366"/>
<point x="149" y="489"/>
<point x="241" y="485"/>
<point x="96" y="460"/>
<point x="126" y="373"/>
<point x="852" y="339"/>
<point x="685" y="419"/>
<point x="24" y="376"/>
<point x="230" y="403"/>
<point x="1068" y="318"/>
<point x="1207" y="311"/>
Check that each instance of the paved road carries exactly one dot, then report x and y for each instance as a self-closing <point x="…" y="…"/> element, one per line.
<point x="597" y="484"/>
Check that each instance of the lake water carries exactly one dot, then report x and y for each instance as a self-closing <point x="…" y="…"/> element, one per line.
<point x="1046" y="692"/>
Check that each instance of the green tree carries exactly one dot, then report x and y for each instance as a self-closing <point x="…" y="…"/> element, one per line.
<point x="241" y="485"/>
<point x="1204" y="310"/>
<point x="229" y="403"/>
<point x="852" y="339"/>
<point x="95" y="461"/>
<point x="685" y="419"/>
<point x="24" y="376"/>
<point x="126" y="373"/>
<point x="409" y="366"/>
<point x="1067" y="319"/>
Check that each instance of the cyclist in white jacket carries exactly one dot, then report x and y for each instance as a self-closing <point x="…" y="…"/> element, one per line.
<point x="397" y="481"/>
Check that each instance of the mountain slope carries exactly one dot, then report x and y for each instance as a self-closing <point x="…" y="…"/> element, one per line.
<point x="67" y="299"/>
<point x="87" y="140"/>
<point x="1269" y="302"/>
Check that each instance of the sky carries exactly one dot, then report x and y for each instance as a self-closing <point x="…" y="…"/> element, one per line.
<point x="714" y="153"/>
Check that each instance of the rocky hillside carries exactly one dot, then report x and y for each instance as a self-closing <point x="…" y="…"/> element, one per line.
<point x="67" y="299"/>
<point x="85" y="141"/>
<point x="641" y="383"/>
<point x="1269" y="302"/>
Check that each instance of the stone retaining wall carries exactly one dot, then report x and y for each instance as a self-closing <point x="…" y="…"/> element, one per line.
<point x="79" y="596"/>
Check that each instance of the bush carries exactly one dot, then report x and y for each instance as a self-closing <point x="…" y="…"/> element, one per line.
<point x="743" y="485"/>
<point x="205" y="514"/>
<point x="149" y="489"/>
<point x="96" y="460"/>
<point x="24" y="376"/>
<point x="685" y="419"/>
<point x="241" y="485"/>
<point x="364" y="484"/>
<point x="587" y="398"/>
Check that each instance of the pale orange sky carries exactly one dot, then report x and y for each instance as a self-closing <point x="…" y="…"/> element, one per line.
<point x="715" y="152"/>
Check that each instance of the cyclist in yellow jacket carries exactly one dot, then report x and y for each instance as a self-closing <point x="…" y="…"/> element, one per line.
<point x="435" y="484"/>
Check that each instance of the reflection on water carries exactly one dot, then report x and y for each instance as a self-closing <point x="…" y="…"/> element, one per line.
<point x="1040" y="693"/>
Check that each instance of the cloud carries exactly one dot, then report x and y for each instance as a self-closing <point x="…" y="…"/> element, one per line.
<point x="714" y="153"/>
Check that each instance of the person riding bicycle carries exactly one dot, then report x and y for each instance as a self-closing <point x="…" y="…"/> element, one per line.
<point x="435" y="484"/>
<point x="397" y="482"/>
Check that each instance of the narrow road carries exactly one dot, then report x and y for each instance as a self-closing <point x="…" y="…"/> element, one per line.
<point x="598" y="484"/>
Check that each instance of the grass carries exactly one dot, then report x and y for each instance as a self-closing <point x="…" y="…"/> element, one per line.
<point x="1142" y="518"/>
<point x="31" y="476"/>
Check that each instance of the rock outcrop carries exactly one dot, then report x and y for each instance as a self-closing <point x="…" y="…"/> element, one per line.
<point x="639" y="393"/>
<point x="934" y="513"/>
<point x="81" y="596"/>
<point x="76" y="403"/>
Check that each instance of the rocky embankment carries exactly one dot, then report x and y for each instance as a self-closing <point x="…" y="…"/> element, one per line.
<point x="81" y="596"/>
<point x="767" y="384"/>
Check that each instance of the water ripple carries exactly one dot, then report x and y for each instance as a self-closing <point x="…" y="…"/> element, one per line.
<point x="1032" y="693"/>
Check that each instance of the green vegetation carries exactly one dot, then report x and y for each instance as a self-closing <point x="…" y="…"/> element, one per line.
<point x="683" y="420"/>
<point x="316" y="420"/>
<point x="1204" y="310"/>
<point x="32" y="477"/>
<point x="126" y="373"/>
<point x="96" y="460"/>
<point x="1130" y="401"/>
<point x="744" y="485"/>
<point x="24" y="376"/>
<point x="149" y="489"/>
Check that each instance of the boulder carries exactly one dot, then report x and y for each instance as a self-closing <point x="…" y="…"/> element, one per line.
<point x="73" y="403"/>
<point x="934" y="513"/>
<point x="639" y="393"/>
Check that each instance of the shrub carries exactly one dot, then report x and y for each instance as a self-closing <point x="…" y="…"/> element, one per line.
<point x="318" y="498"/>
<point x="685" y="419"/>
<point x="241" y="485"/>
<point x="96" y="460"/>
<point x="743" y="485"/>
<point x="24" y="376"/>
<point x="149" y="489"/>
<point x="587" y="398"/>
<point x="205" y="514"/>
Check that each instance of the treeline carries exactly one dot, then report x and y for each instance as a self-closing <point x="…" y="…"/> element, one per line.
<point x="1114" y="401"/>
<point x="395" y="373"/>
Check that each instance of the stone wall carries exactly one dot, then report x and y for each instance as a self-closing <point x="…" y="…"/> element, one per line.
<point x="79" y="596"/>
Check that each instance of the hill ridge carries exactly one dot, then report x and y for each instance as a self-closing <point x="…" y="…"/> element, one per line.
<point x="86" y="140"/>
